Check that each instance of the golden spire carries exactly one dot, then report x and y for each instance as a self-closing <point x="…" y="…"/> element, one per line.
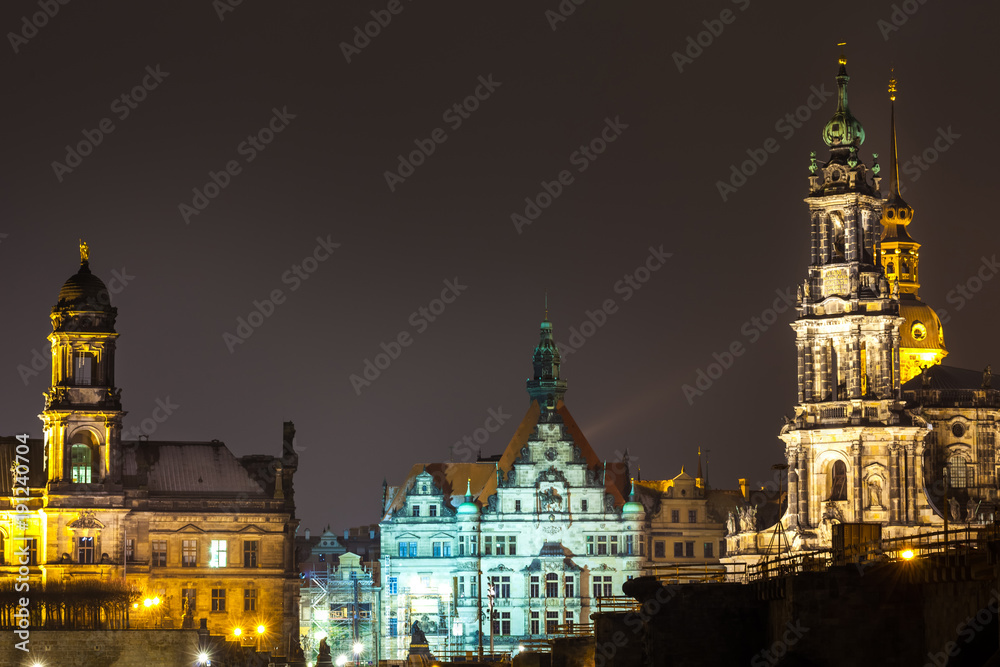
<point x="843" y="58"/>
<point x="892" y="85"/>
<point x="84" y="251"/>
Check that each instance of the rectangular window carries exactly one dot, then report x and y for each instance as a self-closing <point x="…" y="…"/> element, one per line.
<point x="461" y="545"/>
<point x="552" y="585"/>
<point x="159" y="553"/>
<point x="583" y="505"/>
<point x="473" y="545"/>
<point x="598" y="586"/>
<point x="689" y="549"/>
<point x="218" y="599"/>
<point x="501" y="545"/>
<point x="249" y="599"/>
<point x="660" y="549"/>
<point x="570" y="586"/>
<point x="501" y="587"/>
<point x="416" y="510"/>
<point x="607" y="587"/>
<point x="590" y="545"/>
<point x="446" y="549"/>
<point x="517" y="505"/>
<point x="393" y="585"/>
<point x="551" y="622"/>
<point x="534" y="623"/>
<point x="130" y="549"/>
<point x="85" y="550"/>
<point x="250" y="550"/>
<point x="614" y="545"/>
<point x="722" y="548"/>
<point x="413" y="549"/>
<point x="708" y="549"/>
<point x="569" y="619"/>
<point x="32" y="543"/>
<point x="533" y="591"/>
<point x="436" y="549"/>
<point x="678" y="550"/>
<point x="83" y="373"/>
<point x="602" y="545"/>
<point x="629" y="545"/>
<point x="473" y="587"/>
<point x="217" y="553"/>
<point x="433" y="510"/>
<point x="189" y="598"/>
<point x="692" y="516"/>
<point x="512" y="545"/>
<point x="189" y="553"/>
<point x="488" y="546"/>
<point x="402" y="549"/>
<point x="505" y="623"/>
<point x="675" y="516"/>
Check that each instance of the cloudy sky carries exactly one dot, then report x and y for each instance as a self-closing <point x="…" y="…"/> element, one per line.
<point x="273" y="162"/>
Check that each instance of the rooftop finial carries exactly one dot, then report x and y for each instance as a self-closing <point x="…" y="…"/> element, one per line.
<point x="468" y="487"/>
<point x="892" y="85"/>
<point x="84" y="251"/>
<point x="546" y="305"/>
<point x="843" y="58"/>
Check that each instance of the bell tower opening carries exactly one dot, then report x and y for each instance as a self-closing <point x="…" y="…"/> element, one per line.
<point x="84" y="455"/>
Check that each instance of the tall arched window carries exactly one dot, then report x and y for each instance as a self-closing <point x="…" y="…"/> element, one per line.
<point x="837" y="234"/>
<point x="551" y="585"/>
<point x="958" y="477"/>
<point x="890" y="268"/>
<point x="83" y="457"/>
<point x="838" y="481"/>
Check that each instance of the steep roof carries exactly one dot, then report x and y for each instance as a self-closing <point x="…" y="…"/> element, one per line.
<point x="950" y="377"/>
<point x="205" y="468"/>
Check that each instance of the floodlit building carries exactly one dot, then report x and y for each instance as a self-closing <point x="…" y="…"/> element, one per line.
<point x="201" y="533"/>
<point x="545" y="529"/>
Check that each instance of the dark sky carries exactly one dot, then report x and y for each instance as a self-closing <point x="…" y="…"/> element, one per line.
<point x="323" y="176"/>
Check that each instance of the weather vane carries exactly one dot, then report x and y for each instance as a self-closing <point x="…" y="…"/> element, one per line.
<point x="84" y="251"/>
<point x="843" y="58"/>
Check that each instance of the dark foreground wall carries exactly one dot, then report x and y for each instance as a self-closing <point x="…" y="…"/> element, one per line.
<point x="111" y="648"/>
<point x="917" y="613"/>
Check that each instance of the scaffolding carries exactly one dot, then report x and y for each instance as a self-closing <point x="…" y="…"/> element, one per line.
<point x="343" y="604"/>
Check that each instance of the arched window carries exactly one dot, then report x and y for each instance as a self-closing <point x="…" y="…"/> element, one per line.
<point x="837" y="236"/>
<point x="890" y="268"/>
<point x="905" y="267"/>
<point x="838" y="481"/>
<point x="83" y="457"/>
<point x="552" y="585"/>
<point x="958" y="477"/>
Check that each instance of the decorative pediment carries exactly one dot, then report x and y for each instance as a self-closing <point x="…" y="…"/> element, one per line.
<point x="251" y="529"/>
<point x="552" y="475"/>
<point x="190" y="528"/>
<point x="603" y="567"/>
<point x="501" y="568"/>
<point x="86" y="521"/>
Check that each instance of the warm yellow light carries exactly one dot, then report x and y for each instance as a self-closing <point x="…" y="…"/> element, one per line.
<point x="148" y="602"/>
<point x="907" y="554"/>
<point x="135" y="605"/>
<point x="156" y="600"/>
<point x="261" y="629"/>
<point x="237" y="632"/>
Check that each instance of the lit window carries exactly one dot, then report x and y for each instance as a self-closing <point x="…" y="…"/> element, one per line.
<point x="85" y="550"/>
<point x="958" y="472"/>
<point x="82" y="465"/>
<point x="217" y="554"/>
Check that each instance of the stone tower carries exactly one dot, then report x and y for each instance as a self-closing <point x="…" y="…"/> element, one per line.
<point x="921" y="334"/>
<point x="852" y="453"/>
<point x="82" y="420"/>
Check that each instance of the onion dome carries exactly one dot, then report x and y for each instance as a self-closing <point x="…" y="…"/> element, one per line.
<point x="921" y="327"/>
<point x="843" y="130"/>
<point x="633" y="506"/>
<point x="468" y="508"/>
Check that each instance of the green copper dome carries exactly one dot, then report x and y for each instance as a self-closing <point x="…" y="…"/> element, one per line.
<point x="843" y="129"/>
<point x="633" y="506"/>
<point x="468" y="508"/>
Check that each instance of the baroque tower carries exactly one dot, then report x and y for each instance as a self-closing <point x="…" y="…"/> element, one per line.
<point x="82" y="420"/>
<point x="852" y="452"/>
<point x="921" y="334"/>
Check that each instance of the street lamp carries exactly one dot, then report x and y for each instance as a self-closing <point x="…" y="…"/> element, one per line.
<point x="261" y="629"/>
<point x="237" y="632"/>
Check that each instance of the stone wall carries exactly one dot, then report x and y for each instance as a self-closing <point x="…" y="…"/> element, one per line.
<point x="108" y="648"/>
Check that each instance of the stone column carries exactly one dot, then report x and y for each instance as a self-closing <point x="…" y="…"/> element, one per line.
<point x="808" y="383"/>
<point x="792" y="457"/>
<point x="858" y="495"/>
<point x="801" y="366"/>
<point x="894" y="505"/>
<point x="804" y="462"/>
<point x="911" y="480"/>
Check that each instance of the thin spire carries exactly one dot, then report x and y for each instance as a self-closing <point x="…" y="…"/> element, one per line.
<point x="894" y="193"/>
<point x="699" y="464"/>
<point x="468" y="488"/>
<point x="546" y="305"/>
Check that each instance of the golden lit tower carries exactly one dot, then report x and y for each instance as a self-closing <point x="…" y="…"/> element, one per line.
<point x="921" y="335"/>
<point x="82" y="420"/>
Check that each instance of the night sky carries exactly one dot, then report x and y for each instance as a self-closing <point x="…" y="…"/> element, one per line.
<point x="548" y="85"/>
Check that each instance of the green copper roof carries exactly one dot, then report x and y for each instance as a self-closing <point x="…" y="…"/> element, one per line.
<point x="843" y="129"/>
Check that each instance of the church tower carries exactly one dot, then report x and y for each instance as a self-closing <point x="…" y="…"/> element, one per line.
<point x="546" y="386"/>
<point x="82" y="420"/>
<point x="851" y="453"/>
<point x="921" y="334"/>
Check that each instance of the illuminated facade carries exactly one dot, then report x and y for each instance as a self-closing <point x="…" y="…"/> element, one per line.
<point x="205" y="534"/>
<point x="546" y="523"/>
